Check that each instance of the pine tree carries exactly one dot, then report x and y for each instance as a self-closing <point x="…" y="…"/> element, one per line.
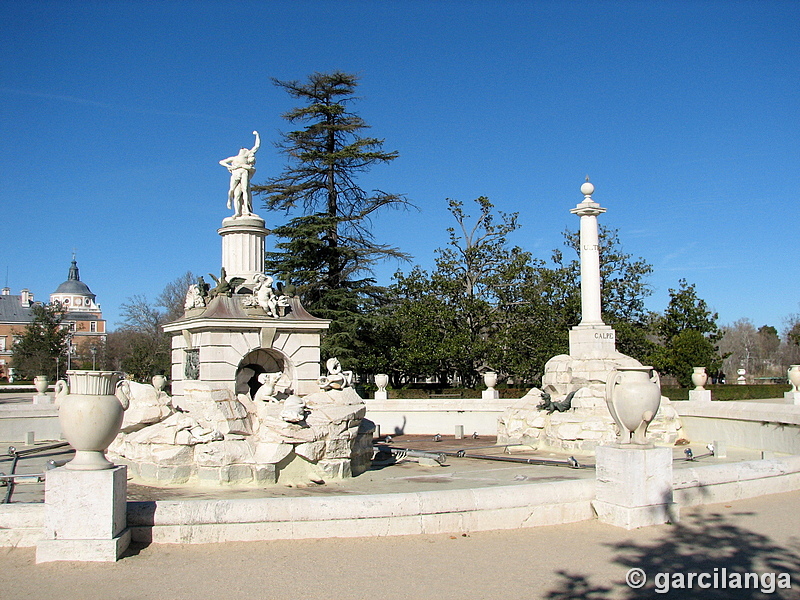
<point x="327" y="251"/>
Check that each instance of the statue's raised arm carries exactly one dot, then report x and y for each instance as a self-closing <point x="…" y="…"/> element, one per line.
<point x="255" y="148"/>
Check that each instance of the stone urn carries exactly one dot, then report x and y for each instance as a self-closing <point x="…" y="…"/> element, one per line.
<point x="699" y="377"/>
<point x="633" y="395"/>
<point x="41" y="383"/>
<point x="490" y="379"/>
<point x="381" y="380"/>
<point x="159" y="382"/>
<point x="90" y="415"/>
<point x="794" y="377"/>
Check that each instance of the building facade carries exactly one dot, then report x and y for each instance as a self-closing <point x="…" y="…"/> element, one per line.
<point x="83" y="317"/>
<point x="15" y="314"/>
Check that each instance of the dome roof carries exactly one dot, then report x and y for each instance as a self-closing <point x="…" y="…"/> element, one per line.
<point x="73" y="284"/>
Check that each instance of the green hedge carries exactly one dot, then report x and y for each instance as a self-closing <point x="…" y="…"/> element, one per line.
<point x="757" y="391"/>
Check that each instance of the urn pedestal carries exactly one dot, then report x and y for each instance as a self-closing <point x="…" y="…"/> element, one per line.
<point x="634" y="486"/>
<point x="85" y="516"/>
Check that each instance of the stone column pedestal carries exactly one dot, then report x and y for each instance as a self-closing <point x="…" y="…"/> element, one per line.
<point x="490" y="395"/>
<point x="700" y="395"/>
<point x="243" y="246"/>
<point x="42" y="399"/>
<point x="85" y="516"/>
<point x="381" y="395"/>
<point x="592" y="341"/>
<point x="634" y="486"/>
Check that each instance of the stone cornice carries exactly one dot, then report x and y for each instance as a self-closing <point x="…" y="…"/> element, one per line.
<point x="251" y="324"/>
<point x="588" y="209"/>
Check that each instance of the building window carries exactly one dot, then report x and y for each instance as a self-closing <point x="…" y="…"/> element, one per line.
<point x="72" y="326"/>
<point x="93" y="326"/>
<point x="2" y="343"/>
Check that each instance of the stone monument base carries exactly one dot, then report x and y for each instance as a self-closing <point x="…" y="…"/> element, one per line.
<point x="218" y="439"/>
<point x="381" y="395"/>
<point x="792" y="397"/>
<point x="581" y="428"/>
<point x="42" y="399"/>
<point x="634" y="486"/>
<point x="85" y="516"/>
<point x="592" y="341"/>
<point x="490" y="395"/>
<point x="700" y="395"/>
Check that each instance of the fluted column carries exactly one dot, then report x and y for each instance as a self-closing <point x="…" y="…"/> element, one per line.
<point x="243" y="246"/>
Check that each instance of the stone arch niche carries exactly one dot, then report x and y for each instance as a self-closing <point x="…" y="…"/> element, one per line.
<point x="263" y="360"/>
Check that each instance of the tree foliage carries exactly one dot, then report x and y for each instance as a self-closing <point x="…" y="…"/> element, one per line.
<point x="139" y="346"/>
<point x="491" y="305"/>
<point x="326" y="250"/>
<point x="43" y="340"/>
<point x="760" y="352"/>
<point x="688" y="334"/>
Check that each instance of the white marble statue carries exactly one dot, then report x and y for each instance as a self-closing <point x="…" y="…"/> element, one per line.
<point x="266" y="393"/>
<point x="264" y="296"/>
<point x="294" y="409"/>
<point x="242" y="168"/>
<point x="336" y="379"/>
<point x="194" y="299"/>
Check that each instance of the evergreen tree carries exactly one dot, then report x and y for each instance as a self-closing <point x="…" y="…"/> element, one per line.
<point x="327" y="251"/>
<point x="689" y="336"/>
<point x="43" y="340"/>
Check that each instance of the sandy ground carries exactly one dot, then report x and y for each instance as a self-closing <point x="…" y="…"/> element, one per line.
<point x="582" y="560"/>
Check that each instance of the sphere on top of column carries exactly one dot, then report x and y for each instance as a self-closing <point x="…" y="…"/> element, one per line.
<point x="588" y="207"/>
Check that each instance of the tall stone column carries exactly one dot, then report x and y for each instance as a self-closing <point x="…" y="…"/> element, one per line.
<point x="588" y="210"/>
<point x="591" y="338"/>
<point x="243" y="246"/>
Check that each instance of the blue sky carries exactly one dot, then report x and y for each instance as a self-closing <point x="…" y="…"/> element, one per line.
<point x="684" y="114"/>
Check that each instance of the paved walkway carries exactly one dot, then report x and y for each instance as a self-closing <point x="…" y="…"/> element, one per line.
<point x="582" y="560"/>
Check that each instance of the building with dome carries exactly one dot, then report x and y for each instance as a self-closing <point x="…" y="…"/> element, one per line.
<point x="83" y="315"/>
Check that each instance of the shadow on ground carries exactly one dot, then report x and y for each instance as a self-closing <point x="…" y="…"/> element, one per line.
<point x="702" y="543"/>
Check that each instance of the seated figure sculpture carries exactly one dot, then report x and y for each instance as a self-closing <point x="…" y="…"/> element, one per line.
<point x="266" y="393"/>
